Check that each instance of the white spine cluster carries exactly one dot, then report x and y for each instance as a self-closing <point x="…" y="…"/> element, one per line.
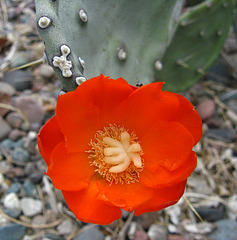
<point x="62" y="62"/>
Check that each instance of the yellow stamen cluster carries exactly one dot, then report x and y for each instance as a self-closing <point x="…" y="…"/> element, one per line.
<point x="117" y="155"/>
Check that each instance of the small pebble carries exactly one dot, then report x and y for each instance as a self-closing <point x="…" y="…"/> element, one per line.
<point x="206" y="109"/>
<point x="6" y="88"/>
<point x="226" y="230"/>
<point x="45" y="71"/>
<point x="19" y="79"/>
<point x="52" y="236"/>
<point x="14" y="119"/>
<point x="17" y="172"/>
<point x="65" y="227"/>
<point x="36" y="177"/>
<point x="91" y="233"/>
<point x="6" y="92"/>
<point x="30" y="206"/>
<point x="140" y="236"/>
<point x="19" y="143"/>
<point x="14" y="213"/>
<point x="20" y="155"/>
<point x="11" y="201"/>
<point x="223" y="134"/>
<point x="7" y="144"/>
<point x="146" y="219"/>
<point x="14" y="188"/>
<point x="4" y="129"/>
<point x="157" y="232"/>
<point x="12" y="232"/>
<point x="30" y="189"/>
<point x="15" y="134"/>
<point x="211" y="214"/>
<point x="31" y="107"/>
<point x="5" y="99"/>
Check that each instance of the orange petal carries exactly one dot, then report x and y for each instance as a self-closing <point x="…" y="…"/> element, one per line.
<point x="163" y="197"/>
<point x="125" y="196"/>
<point x="78" y="120"/>
<point x="189" y="117"/>
<point x="69" y="171"/>
<point x="88" y="109"/>
<point x="88" y="208"/>
<point x="163" y="177"/>
<point x="106" y="94"/>
<point x="146" y="106"/>
<point x="166" y="144"/>
<point x="48" y="137"/>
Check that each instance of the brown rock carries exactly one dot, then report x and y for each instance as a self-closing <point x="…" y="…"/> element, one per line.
<point x="140" y="236"/>
<point x="31" y="107"/>
<point x="16" y="134"/>
<point x="175" y="237"/>
<point x="206" y="109"/>
<point x="17" y="172"/>
<point x="46" y="71"/>
<point x="4" y="128"/>
<point x="5" y="99"/>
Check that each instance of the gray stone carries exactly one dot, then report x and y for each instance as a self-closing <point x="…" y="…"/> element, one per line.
<point x="36" y="177"/>
<point x="223" y="134"/>
<point x="157" y="232"/>
<point x="19" y="79"/>
<point x="7" y="144"/>
<point x="211" y="214"/>
<point x="65" y="227"/>
<point x="4" y="129"/>
<point x="91" y="233"/>
<point x="146" y="219"/>
<point x="30" y="189"/>
<point x="14" y="188"/>
<point x="20" y="155"/>
<point x="226" y="229"/>
<point x="30" y="206"/>
<point x="14" y="213"/>
<point x="14" y="119"/>
<point x="52" y="236"/>
<point x="12" y="232"/>
<point x="19" y="143"/>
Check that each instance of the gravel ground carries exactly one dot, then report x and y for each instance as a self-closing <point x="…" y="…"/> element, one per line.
<point x="31" y="208"/>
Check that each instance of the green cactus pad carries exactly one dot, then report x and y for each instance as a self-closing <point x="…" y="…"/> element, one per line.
<point x="141" y="41"/>
<point x="117" y="38"/>
<point x="196" y="43"/>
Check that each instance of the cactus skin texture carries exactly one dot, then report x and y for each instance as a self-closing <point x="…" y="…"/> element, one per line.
<point x="141" y="41"/>
<point x="196" y="43"/>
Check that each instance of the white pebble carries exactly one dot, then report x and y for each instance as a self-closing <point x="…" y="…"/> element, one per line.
<point x="11" y="201"/>
<point x="30" y="206"/>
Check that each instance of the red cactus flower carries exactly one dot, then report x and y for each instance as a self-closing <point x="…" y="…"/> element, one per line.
<point x="113" y="146"/>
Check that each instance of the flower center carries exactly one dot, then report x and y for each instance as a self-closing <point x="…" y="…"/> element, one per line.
<point x="117" y="155"/>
